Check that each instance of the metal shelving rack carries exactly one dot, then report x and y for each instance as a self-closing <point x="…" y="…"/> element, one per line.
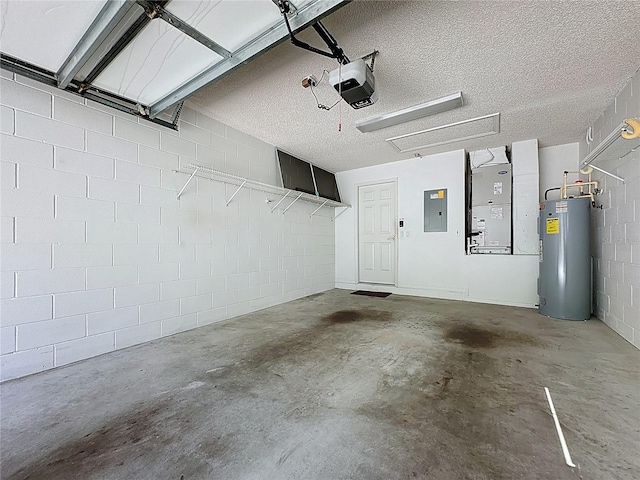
<point x="241" y="182"/>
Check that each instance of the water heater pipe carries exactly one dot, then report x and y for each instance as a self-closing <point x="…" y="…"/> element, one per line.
<point x="580" y="185"/>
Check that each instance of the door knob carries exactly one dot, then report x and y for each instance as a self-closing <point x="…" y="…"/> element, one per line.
<point x="392" y="237"/>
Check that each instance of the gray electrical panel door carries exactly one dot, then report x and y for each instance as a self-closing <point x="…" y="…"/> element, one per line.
<point x="491" y="185"/>
<point x="435" y="210"/>
<point x="564" y="284"/>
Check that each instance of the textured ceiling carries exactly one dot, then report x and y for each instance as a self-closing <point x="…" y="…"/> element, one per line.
<point x="549" y="68"/>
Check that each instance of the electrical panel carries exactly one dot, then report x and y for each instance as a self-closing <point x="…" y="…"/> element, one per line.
<point x="435" y="210"/>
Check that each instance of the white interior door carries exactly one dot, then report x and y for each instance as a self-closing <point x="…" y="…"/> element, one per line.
<point x="377" y="233"/>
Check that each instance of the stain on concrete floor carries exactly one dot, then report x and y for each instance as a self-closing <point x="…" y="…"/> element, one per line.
<point x="100" y="449"/>
<point x="347" y="316"/>
<point x="477" y="337"/>
<point x="334" y="387"/>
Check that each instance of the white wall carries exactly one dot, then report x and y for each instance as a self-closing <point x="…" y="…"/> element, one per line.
<point x="615" y="229"/>
<point x="526" y="179"/>
<point x="433" y="264"/>
<point x="554" y="161"/>
<point x="98" y="254"/>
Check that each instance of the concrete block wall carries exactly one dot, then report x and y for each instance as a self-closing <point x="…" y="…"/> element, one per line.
<point x="616" y="227"/>
<point x="98" y="254"/>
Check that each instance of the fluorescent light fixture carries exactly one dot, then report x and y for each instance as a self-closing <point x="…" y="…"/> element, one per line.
<point x="458" y="131"/>
<point x="412" y="113"/>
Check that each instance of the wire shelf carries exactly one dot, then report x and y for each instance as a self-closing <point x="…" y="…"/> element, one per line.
<point x="209" y="173"/>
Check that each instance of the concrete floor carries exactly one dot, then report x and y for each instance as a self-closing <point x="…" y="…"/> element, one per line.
<point x="338" y="386"/>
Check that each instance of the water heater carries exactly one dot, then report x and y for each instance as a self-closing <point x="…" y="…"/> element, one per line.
<point x="564" y="284"/>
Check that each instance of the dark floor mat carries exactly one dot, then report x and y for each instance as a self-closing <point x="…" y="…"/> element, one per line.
<point x="371" y="294"/>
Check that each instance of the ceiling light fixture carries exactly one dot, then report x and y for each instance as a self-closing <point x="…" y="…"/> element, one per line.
<point x="453" y="132"/>
<point x="432" y="107"/>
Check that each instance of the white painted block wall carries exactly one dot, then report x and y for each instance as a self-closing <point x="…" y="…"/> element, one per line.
<point x="434" y="264"/>
<point x="97" y="253"/>
<point x="616" y="228"/>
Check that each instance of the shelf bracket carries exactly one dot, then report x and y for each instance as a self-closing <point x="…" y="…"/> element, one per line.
<point x="314" y="212"/>
<point x="291" y="204"/>
<point x="188" y="181"/>
<point x="334" y="218"/>
<point x="235" y="193"/>
<point x="606" y="173"/>
<point x="280" y="201"/>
